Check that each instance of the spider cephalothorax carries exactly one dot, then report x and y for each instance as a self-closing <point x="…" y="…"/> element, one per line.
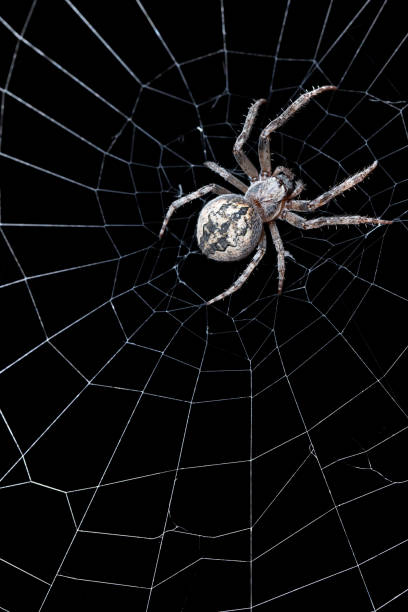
<point x="230" y="226"/>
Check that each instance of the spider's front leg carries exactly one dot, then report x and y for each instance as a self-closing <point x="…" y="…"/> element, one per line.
<point x="260" y="252"/>
<point x="309" y="205"/>
<point x="264" y="152"/>
<point x="308" y="224"/>
<point x="188" y="198"/>
<point x="241" y="158"/>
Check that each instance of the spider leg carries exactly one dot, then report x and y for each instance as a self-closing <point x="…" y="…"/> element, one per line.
<point x="242" y="160"/>
<point x="308" y="224"/>
<point x="299" y="185"/>
<point x="227" y="176"/>
<point x="308" y="205"/>
<point x="280" y="252"/>
<point x="260" y="252"/>
<point x="191" y="196"/>
<point x="283" y="170"/>
<point x="264" y="144"/>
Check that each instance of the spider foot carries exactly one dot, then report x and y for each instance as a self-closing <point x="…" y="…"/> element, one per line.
<point x="289" y="255"/>
<point x="280" y="285"/>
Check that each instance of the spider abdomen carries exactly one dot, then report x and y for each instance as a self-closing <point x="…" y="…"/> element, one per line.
<point x="228" y="228"/>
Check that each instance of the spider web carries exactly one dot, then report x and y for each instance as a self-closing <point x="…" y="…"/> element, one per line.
<point x="158" y="454"/>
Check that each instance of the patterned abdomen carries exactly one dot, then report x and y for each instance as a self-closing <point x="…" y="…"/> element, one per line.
<point x="228" y="228"/>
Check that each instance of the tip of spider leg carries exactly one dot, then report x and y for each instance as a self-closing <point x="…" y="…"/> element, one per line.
<point x="315" y="91"/>
<point x="217" y="298"/>
<point x="326" y="87"/>
<point x="289" y="255"/>
<point x="258" y="103"/>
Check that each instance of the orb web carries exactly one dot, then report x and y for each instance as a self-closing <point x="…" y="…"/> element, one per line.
<point x="158" y="453"/>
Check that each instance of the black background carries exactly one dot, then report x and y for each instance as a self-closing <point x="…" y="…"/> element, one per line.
<point x="246" y="456"/>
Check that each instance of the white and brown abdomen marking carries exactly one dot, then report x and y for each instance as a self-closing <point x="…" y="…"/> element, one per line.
<point x="228" y="228"/>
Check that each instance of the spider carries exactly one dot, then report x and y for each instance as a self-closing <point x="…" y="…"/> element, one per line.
<point x="230" y="226"/>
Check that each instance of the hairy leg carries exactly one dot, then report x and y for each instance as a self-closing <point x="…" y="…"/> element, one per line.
<point x="260" y="252"/>
<point x="280" y="252"/>
<point x="264" y="144"/>
<point x="242" y="159"/>
<point x="227" y="176"/>
<point x="308" y="205"/>
<point x="308" y="224"/>
<point x="299" y="185"/>
<point x="188" y="198"/>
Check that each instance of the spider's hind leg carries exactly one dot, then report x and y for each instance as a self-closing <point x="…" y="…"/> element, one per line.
<point x="260" y="252"/>
<point x="188" y="198"/>
<point x="227" y="176"/>
<point x="280" y="252"/>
